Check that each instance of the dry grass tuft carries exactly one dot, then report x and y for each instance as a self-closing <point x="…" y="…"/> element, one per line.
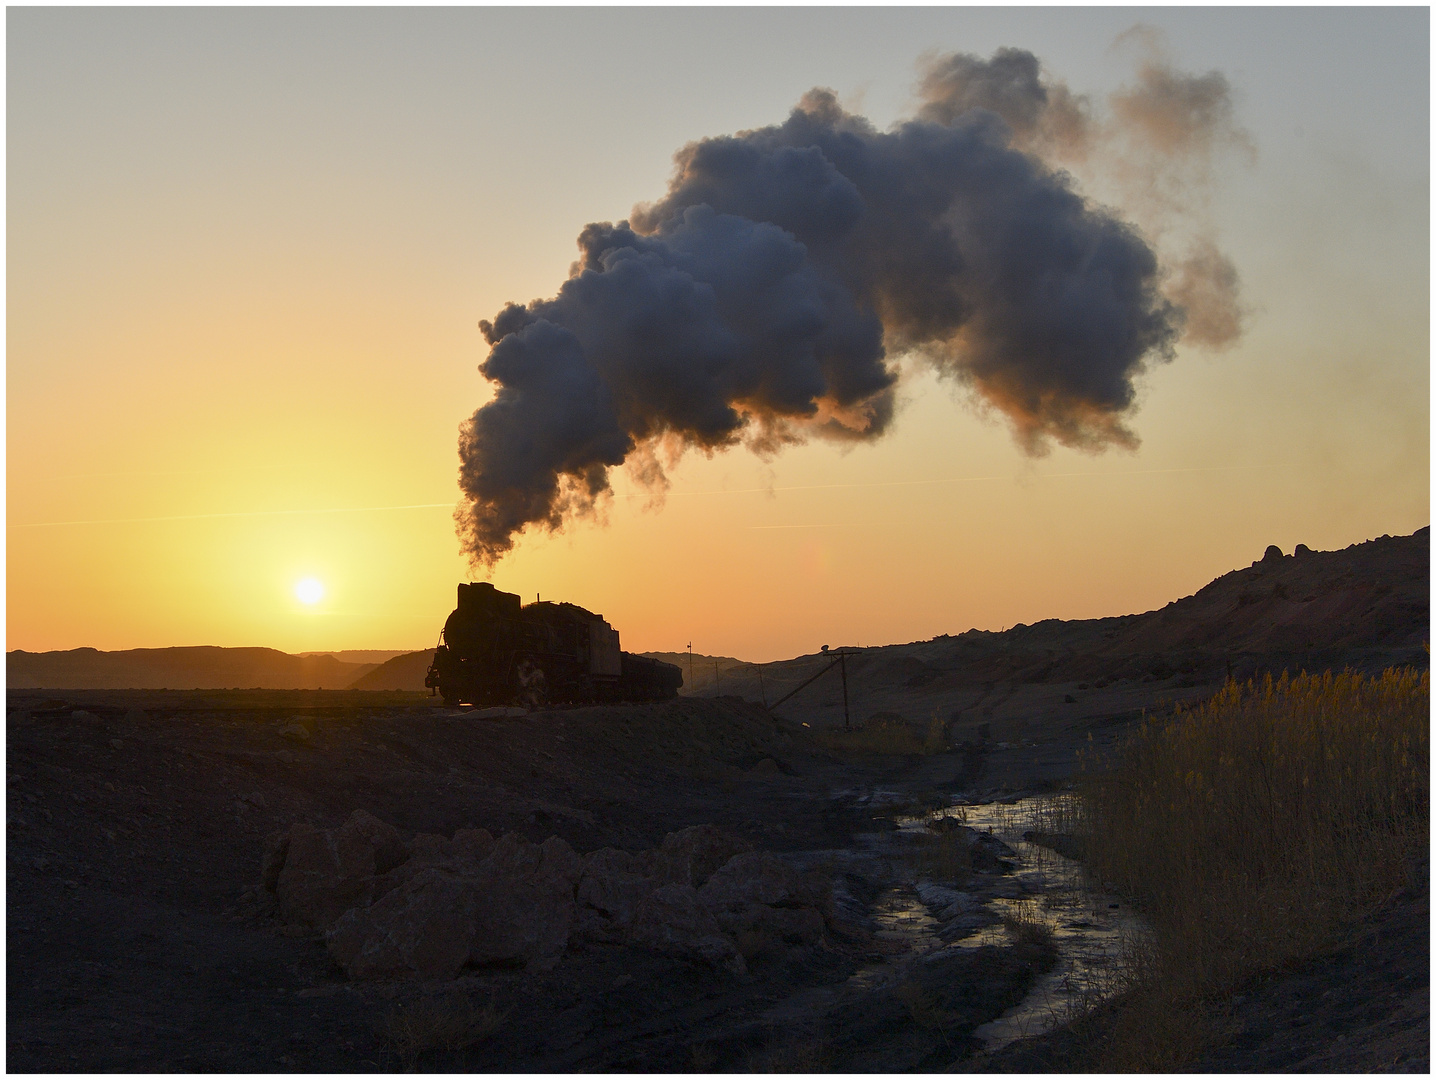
<point x="944" y="856"/>
<point x="1026" y="925"/>
<point x="1252" y="831"/>
<point x="437" y="1023"/>
<point x="888" y="733"/>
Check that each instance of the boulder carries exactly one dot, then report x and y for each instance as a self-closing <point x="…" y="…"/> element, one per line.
<point x="753" y="877"/>
<point x="422" y="929"/>
<point x="471" y="843"/>
<point x="610" y="890"/>
<point x="688" y="857"/>
<point x="762" y="924"/>
<point x="990" y="855"/>
<point x="459" y="855"/>
<point x="318" y="874"/>
<point x="672" y="920"/>
<point x="389" y="847"/>
<point x="524" y="904"/>
<point x="762" y="902"/>
<point x="430" y="847"/>
<point x="945" y="903"/>
<point x="325" y="873"/>
<point x="445" y="907"/>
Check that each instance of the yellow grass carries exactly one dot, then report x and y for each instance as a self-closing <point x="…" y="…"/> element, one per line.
<point x="1252" y="831"/>
<point x="887" y="733"/>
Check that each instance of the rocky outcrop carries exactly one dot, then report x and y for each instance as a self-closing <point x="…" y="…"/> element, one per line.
<point x="318" y="874"/>
<point x="613" y="886"/>
<point x="672" y="919"/>
<point x="426" y="908"/>
<point x="689" y="856"/>
<point x="526" y="906"/>
<point x="762" y="902"/>
<point x="514" y="904"/>
<point x="423" y="928"/>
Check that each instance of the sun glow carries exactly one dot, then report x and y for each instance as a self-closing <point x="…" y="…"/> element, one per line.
<point x="309" y="590"/>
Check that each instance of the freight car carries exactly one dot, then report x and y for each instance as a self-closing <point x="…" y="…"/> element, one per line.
<point x="496" y="651"/>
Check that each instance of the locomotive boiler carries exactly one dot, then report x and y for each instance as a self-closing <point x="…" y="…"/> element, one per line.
<point x="497" y="651"/>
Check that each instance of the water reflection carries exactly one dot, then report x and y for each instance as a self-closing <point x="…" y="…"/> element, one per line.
<point x="1093" y="931"/>
<point x="920" y="912"/>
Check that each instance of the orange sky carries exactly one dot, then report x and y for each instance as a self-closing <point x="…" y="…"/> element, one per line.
<point x="245" y="267"/>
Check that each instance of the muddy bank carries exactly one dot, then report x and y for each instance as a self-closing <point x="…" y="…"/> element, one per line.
<point x="1363" y="1008"/>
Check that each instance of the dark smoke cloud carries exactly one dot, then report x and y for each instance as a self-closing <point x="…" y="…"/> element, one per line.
<point x="1045" y="117"/>
<point x="1157" y="142"/>
<point x="767" y="297"/>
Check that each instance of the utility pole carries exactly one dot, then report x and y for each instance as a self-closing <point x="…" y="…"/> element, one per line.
<point x="717" y="682"/>
<point x="843" y="667"/>
<point x="690" y="665"/>
<point x="761" y="690"/>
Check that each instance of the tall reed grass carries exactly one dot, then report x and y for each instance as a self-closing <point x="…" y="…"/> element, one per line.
<point x="1252" y="831"/>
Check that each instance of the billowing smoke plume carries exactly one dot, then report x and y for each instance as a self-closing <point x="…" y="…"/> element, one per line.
<point x="1154" y="147"/>
<point x="768" y="295"/>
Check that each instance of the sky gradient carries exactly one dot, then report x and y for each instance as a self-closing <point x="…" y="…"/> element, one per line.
<point x="248" y="250"/>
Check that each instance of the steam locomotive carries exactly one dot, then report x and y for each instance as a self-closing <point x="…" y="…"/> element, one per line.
<point x="496" y="651"/>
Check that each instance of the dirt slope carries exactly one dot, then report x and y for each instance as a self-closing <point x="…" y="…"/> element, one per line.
<point x="1366" y="606"/>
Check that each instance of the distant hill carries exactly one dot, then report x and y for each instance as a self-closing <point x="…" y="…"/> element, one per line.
<point x="404" y="672"/>
<point x="359" y="656"/>
<point x="200" y="667"/>
<point x="699" y="678"/>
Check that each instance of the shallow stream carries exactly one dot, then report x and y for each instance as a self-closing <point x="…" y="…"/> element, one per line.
<point x="1093" y="931"/>
<point x="917" y="914"/>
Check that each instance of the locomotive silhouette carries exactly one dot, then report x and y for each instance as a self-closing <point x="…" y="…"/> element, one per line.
<point x="496" y="651"/>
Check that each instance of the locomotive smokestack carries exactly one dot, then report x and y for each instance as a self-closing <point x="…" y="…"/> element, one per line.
<point x="765" y="299"/>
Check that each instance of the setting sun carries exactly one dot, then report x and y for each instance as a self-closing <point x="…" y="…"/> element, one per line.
<point x="309" y="590"/>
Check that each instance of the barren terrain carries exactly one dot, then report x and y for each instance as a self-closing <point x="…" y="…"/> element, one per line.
<point x="141" y="937"/>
